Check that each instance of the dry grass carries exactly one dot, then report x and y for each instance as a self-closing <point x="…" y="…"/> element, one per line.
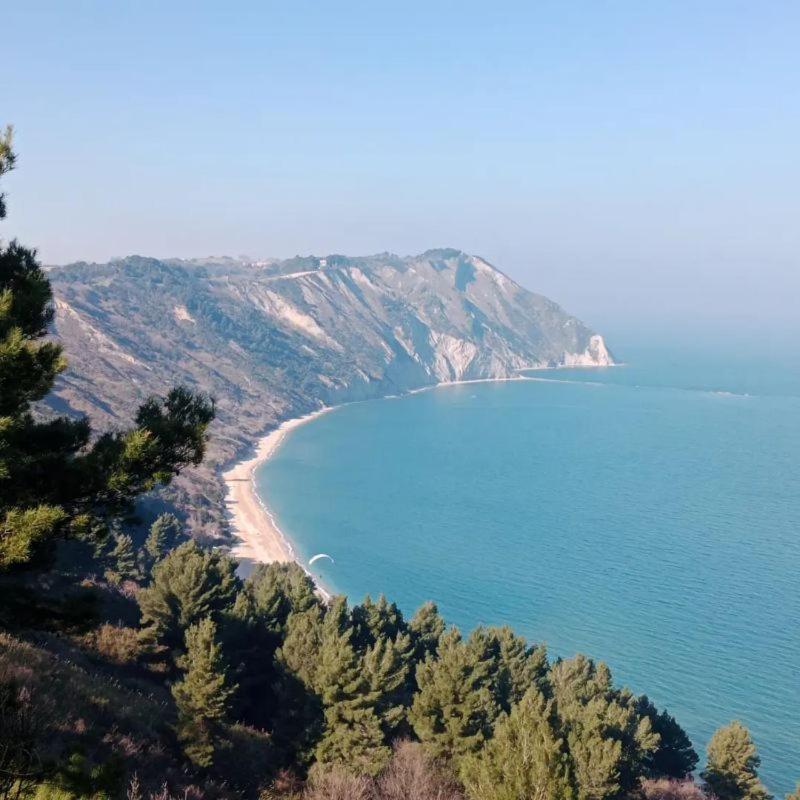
<point x="337" y="784"/>
<point x="96" y="715"/>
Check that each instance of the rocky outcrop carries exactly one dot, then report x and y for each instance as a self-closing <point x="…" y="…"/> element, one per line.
<point x="273" y="339"/>
<point x="595" y="355"/>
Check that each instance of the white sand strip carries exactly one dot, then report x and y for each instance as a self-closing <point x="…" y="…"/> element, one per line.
<point x="250" y="520"/>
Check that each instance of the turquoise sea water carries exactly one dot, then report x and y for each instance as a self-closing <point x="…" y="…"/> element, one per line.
<point x="647" y="515"/>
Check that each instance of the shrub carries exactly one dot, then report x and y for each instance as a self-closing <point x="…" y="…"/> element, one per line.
<point x="115" y="643"/>
<point x="286" y="786"/>
<point x="413" y="774"/>
<point x="672" y="789"/>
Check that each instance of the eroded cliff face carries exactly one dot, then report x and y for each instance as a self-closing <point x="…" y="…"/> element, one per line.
<point x="277" y="339"/>
<point x="595" y="355"/>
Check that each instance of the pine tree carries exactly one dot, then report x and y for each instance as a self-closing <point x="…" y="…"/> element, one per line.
<point x="344" y="700"/>
<point x="278" y="590"/>
<point x="525" y="760"/>
<point x="203" y="694"/>
<point x="382" y="638"/>
<point x="337" y="676"/>
<point x="188" y="584"/>
<point x="298" y="721"/>
<point x="7" y="160"/>
<point x="732" y="769"/>
<point x="515" y="666"/>
<point x="250" y="645"/>
<point x="353" y="739"/>
<point x="298" y="654"/>
<point x="426" y="628"/>
<point x="675" y="757"/>
<point x="387" y="667"/>
<point x="609" y="741"/>
<point x="453" y="711"/>
<point x="122" y="557"/>
<point x="376" y="620"/>
<point x="162" y="537"/>
<point x="98" y="480"/>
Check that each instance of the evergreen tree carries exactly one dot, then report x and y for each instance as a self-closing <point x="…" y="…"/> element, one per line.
<point x="203" y="694"/>
<point x="336" y="676"/>
<point x="674" y="757"/>
<point x="515" y="666"/>
<point x="188" y="584"/>
<point x="426" y="628"/>
<point x="162" y="537"/>
<point x="525" y="760"/>
<point x="318" y="653"/>
<point x="249" y="645"/>
<point x="352" y="737"/>
<point x="453" y="711"/>
<point x="376" y="620"/>
<point x="298" y="721"/>
<point x="96" y="481"/>
<point x="7" y="160"/>
<point x="387" y="667"/>
<point x="298" y="654"/>
<point x="122" y="557"/>
<point x="278" y="590"/>
<point x="732" y="769"/>
<point x="609" y="741"/>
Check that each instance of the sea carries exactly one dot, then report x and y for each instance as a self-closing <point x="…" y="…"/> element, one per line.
<point x="647" y="515"/>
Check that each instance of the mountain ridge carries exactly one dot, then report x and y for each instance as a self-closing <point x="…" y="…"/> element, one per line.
<point x="273" y="339"/>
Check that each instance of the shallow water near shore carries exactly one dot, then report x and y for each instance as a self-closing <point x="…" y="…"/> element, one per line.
<point x="646" y="515"/>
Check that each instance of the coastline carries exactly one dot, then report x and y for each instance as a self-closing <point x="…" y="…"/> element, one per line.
<point x="252" y="523"/>
<point x="250" y="520"/>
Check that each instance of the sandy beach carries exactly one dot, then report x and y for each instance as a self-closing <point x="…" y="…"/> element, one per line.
<point x="251" y="522"/>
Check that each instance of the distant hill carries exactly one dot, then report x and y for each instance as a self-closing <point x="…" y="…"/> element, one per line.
<point x="274" y="339"/>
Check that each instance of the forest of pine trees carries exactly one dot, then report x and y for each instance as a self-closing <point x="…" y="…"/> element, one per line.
<point x="135" y="663"/>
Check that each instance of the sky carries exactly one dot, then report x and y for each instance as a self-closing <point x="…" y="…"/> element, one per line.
<point x="635" y="161"/>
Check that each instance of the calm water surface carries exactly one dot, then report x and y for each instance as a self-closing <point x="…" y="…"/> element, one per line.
<point x="646" y="515"/>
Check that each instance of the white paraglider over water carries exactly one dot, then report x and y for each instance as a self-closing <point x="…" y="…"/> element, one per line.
<point x="318" y="556"/>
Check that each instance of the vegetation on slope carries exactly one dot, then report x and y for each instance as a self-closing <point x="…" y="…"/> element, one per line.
<point x="272" y="342"/>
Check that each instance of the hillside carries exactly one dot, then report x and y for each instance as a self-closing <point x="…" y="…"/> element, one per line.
<point x="270" y="340"/>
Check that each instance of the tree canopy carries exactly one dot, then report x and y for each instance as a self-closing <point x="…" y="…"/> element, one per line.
<point x="732" y="769"/>
<point x="55" y="477"/>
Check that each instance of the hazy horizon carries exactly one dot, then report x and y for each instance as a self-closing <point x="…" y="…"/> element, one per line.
<point x="631" y="162"/>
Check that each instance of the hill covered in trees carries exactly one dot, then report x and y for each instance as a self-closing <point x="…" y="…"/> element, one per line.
<point x="214" y="687"/>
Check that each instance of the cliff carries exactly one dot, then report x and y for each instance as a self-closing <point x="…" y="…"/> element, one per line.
<point x="274" y="339"/>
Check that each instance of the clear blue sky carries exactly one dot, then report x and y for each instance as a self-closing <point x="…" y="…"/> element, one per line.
<point x="620" y="156"/>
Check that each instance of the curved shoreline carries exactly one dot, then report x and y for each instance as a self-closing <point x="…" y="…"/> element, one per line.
<point x="251" y="521"/>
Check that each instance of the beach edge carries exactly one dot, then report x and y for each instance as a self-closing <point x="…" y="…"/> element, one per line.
<point x="251" y="523"/>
